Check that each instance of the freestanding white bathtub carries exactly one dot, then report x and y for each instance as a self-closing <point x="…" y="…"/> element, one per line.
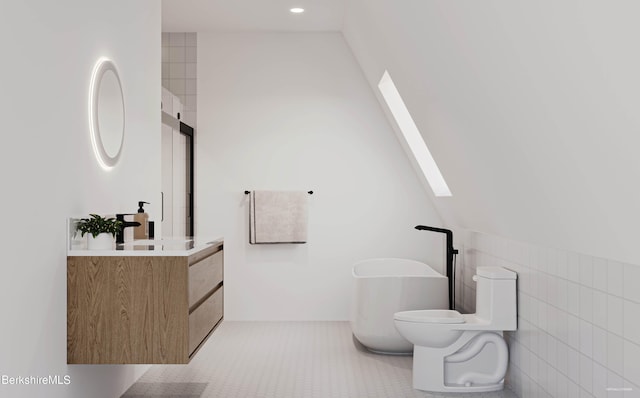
<point x="384" y="286"/>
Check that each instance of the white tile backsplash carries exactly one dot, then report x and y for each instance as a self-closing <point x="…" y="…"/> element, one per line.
<point x="600" y="274"/>
<point x="573" y="270"/>
<point x="552" y="318"/>
<point x="562" y="357"/>
<point x="574" y="365"/>
<point x="562" y="293"/>
<point x="552" y="351"/>
<point x="562" y="386"/>
<point x="543" y="287"/>
<point x="563" y="327"/>
<point x="586" y="338"/>
<point x="631" y="390"/>
<point x="600" y="345"/>
<point x="586" y="303"/>
<point x="599" y="378"/>
<point x="573" y="297"/>
<point x="586" y="270"/>
<point x="600" y="309"/>
<point x="632" y="321"/>
<point x="551" y="384"/>
<point x="615" y="353"/>
<point x="586" y="373"/>
<point x="573" y="390"/>
<point x="561" y="262"/>
<point x="615" y="315"/>
<point x="615" y="278"/>
<point x="632" y="362"/>
<point x="615" y="382"/>
<point x="578" y="325"/>
<point x="631" y="278"/>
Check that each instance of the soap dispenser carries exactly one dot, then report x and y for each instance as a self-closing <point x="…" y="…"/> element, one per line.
<point x="142" y="231"/>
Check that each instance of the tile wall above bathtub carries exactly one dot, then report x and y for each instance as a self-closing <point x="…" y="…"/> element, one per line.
<point x="578" y="318"/>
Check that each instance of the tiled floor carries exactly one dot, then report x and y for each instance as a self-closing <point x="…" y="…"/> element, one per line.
<point x="285" y="360"/>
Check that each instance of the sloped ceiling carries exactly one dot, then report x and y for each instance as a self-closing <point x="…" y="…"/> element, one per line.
<point x="529" y="108"/>
<point x="251" y="15"/>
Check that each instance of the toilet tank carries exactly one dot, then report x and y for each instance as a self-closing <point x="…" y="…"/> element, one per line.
<point x="496" y="299"/>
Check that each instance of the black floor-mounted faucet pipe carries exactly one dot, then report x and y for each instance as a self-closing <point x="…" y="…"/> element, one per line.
<point x="450" y="253"/>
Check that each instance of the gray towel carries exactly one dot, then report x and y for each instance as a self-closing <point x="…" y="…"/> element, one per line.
<point x="278" y="217"/>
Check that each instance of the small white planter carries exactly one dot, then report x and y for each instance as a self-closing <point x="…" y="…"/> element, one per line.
<point x="103" y="241"/>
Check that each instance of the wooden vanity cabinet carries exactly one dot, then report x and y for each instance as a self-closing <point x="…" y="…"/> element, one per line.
<point x="142" y="309"/>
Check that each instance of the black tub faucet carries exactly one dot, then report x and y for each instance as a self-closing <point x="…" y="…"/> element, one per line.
<point x="125" y="224"/>
<point x="450" y="253"/>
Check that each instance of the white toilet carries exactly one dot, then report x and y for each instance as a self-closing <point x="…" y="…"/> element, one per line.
<point x="464" y="353"/>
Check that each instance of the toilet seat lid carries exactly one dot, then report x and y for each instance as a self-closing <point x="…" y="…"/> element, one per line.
<point x="430" y="316"/>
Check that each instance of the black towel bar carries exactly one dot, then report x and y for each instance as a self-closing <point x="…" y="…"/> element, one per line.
<point x="248" y="192"/>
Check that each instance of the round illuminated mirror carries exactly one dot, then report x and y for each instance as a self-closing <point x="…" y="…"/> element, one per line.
<point x="107" y="113"/>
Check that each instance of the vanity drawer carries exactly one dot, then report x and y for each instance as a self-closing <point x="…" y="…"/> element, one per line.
<point x="204" y="276"/>
<point x="204" y="318"/>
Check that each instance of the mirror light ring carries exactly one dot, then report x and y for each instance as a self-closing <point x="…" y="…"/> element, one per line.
<point x="101" y="67"/>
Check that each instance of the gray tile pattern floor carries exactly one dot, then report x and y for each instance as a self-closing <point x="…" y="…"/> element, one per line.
<point x="286" y="360"/>
<point x="165" y="390"/>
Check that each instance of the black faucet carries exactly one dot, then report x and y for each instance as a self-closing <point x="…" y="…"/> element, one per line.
<point x="450" y="253"/>
<point x="125" y="224"/>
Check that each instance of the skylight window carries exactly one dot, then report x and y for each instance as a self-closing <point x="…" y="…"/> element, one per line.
<point x="412" y="136"/>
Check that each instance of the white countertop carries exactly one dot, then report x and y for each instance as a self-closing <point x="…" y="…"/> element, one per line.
<point x="174" y="246"/>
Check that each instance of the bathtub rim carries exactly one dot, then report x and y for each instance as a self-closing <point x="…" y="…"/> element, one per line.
<point x="435" y="274"/>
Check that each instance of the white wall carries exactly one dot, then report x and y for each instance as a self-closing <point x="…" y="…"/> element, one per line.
<point x="49" y="172"/>
<point x="293" y="111"/>
<point x="527" y="107"/>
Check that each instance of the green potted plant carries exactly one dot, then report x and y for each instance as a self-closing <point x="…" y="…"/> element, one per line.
<point x="101" y="230"/>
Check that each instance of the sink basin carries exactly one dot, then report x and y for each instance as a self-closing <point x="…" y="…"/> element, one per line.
<point x="147" y="242"/>
<point x="158" y="242"/>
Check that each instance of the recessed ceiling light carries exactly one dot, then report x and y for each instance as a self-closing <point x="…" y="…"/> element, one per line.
<point x="297" y="10"/>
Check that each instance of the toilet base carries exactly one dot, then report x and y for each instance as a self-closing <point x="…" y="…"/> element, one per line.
<point x="476" y="362"/>
<point x="483" y="388"/>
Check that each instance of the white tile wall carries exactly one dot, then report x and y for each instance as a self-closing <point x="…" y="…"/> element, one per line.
<point x="179" y="71"/>
<point x="578" y="318"/>
<point x="179" y="75"/>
